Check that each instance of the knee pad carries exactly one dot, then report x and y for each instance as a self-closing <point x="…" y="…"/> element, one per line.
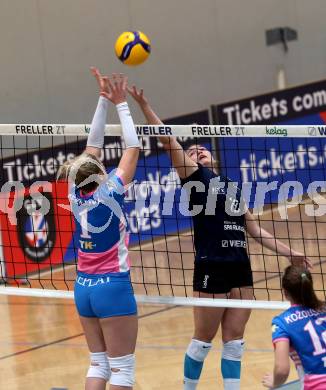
<point x="122" y="370"/>
<point x="233" y="350"/>
<point x="99" y="367"/>
<point x="198" y="350"/>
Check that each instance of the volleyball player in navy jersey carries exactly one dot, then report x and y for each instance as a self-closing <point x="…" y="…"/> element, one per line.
<point x="300" y="330"/>
<point x="103" y="293"/>
<point x="222" y="267"/>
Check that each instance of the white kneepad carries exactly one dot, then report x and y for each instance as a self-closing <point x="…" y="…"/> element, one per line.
<point x="198" y="350"/>
<point x="122" y="370"/>
<point x="99" y="367"/>
<point x="233" y="350"/>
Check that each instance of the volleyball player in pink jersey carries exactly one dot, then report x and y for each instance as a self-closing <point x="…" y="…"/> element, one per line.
<point x="103" y="292"/>
<point x="301" y="329"/>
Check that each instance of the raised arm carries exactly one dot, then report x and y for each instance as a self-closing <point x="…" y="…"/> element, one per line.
<point x="95" y="138"/>
<point x="180" y="160"/>
<point x="269" y="241"/>
<point x="117" y="91"/>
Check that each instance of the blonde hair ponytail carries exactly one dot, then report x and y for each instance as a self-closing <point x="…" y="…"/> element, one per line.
<point x="83" y="171"/>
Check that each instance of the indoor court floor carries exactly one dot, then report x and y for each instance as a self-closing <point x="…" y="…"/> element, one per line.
<point x="43" y="347"/>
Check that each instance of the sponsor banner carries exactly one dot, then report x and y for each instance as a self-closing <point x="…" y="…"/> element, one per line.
<point x="208" y="131"/>
<point x="40" y="241"/>
<point x="35" y="229"/>
<point x="266" y="131"/>
<point x="31" y="240"/>
<point x="281" y="156"/>
<point x="274" y="108"/>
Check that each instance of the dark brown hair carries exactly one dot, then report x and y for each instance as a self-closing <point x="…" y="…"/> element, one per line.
<point x="80" y="169"/>
<point x="298" y="284"/>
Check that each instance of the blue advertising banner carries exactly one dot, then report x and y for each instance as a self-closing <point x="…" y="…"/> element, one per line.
<point x="276" y="159"/>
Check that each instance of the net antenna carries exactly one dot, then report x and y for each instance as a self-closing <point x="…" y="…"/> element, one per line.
<point x="39" y="249"/>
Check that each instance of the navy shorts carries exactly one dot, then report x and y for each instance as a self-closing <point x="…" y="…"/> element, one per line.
<point x="220" y="277"/>
<point x="106" y="295"/>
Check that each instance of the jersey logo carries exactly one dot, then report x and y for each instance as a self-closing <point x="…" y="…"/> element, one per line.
<point x="205" y="281"/>
<point x="218" y="191"/>
<point x="233" y="244"/>
<point x="274" y="328"/>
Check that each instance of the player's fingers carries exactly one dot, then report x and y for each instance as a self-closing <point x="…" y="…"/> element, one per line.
<point x="121" y="76"/>
<point x="115" y="80"/>
<point x="93" y="69"/>
<point x="105" y="84"/>
<point x="96" y="72"/>
<point x="109" y="83"/>
<point x="119" y="80"/>
<point x="123" y="81"/>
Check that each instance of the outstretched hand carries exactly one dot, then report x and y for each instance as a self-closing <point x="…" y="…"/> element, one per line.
<point x="138" y="95"/>
<point x="299" y="259"/>
<point x="117" y="86"/>
<point x="113" y="88"/>
<point x="101" y="80"/>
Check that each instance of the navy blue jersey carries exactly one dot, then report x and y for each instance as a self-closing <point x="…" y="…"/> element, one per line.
<point x="219" y="228"/>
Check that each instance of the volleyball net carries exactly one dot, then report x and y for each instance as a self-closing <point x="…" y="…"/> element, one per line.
<point x="279" y="169"/>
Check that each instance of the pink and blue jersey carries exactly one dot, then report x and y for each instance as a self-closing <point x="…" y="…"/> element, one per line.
<point x="305" y="329"/>
<point x="101" y="228"/>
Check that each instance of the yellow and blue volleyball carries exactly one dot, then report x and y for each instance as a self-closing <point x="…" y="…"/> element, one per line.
<point x="132" y="47"/>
